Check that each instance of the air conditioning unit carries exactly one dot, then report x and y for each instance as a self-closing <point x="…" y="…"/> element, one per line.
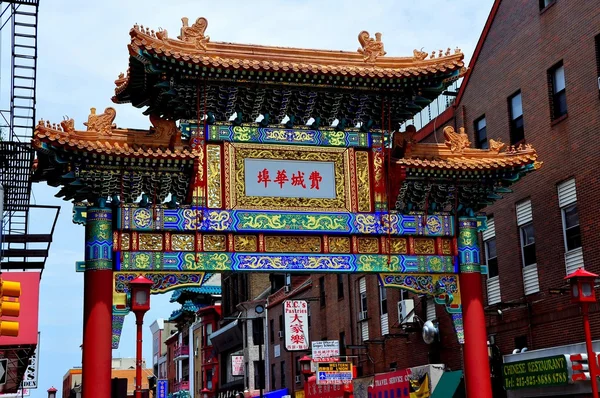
<point x="362" y="315"/>
<point x="297" y="379"/>
<point x="406" y="313"/>
<point x="281" y="334"/>
<point x="287" y="288"/>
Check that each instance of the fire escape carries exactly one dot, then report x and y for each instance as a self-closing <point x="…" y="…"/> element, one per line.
<point x="20" y="249"/>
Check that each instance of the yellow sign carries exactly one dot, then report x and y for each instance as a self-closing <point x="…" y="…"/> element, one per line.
<point x="334" y="367"/>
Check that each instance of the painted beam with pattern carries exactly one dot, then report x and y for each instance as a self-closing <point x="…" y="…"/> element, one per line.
<point x="244" y="221"/>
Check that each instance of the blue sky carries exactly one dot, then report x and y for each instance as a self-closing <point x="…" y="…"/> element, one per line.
<point x="82" y="49"/>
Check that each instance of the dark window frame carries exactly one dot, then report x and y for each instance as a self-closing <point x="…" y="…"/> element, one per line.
<point x="558" y="99"/>
<point x="491" y="262"/>
<point x="545" y="4"/>
<point x="571" y="234"/>
<point x="383" y="310"/>
<point x="282" y="374"/>
<point x="481" y="143"/>
<point x="527" y="250"/>
<point x="517" y="124"/>
<point x="340" y="286"/>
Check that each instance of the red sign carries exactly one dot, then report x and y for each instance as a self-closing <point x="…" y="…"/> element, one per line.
<point x="28" y="314"/>
<point x="397" y="381"/>
<point x="326" y="391"/>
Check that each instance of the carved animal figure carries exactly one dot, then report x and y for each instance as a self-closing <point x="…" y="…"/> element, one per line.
<point x="102" y="123"/>
<point x="496" y="145"/>
<point x="162" y="128"/>
<point x="371" y="47"/>
<point x="67" y="125"/>
<point x="162" y="34"/>
<point x="195" y="33"/>
<point x="420" y="55"/>
<point x="456" y="141"/>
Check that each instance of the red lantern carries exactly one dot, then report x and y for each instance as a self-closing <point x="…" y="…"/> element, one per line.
<point x="140" y="294"/>
<point x="582" y="286"/>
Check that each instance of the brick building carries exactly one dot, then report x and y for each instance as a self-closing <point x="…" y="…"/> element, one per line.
<point x="534" y="79"/>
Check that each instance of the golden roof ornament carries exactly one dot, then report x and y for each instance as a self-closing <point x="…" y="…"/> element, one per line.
<point x="194" y="33"/>
<point x="420" y="55"/>
<point x="371" y="47"/>
<point x="102" y="123"/>
<point x="456" y="141"/>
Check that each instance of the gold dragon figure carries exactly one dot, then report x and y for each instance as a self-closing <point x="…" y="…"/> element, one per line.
<point x="456" y="141"/>
<point x="496" y="145"/>
<point x="420" y="55"/>
<point x="195" y="33"/>
<point x="371" y="48"/>
<point x="102" y="123"/>
<point x="68" y="125"/>
<point x="163" y="128"/>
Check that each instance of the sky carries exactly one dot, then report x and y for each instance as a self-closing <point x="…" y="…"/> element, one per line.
<point x="82" y="50"/>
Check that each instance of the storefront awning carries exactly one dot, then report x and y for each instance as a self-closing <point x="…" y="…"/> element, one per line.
<point x="227" y="337"/>
<point x="448" y="386"/>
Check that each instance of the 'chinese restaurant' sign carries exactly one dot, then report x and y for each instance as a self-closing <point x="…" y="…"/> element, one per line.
<point x="289" y="178"/>
<point x="539" y="372"/>
<point x="295" y="319"/>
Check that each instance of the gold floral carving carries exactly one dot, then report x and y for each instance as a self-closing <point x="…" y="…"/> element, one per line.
<point x="424" y="246"/>
<point x="245" y="243"/>
<point x="213" y="175"/>
<point x="102" y="123"/>
<point x="368" y="245"/>
<point x="152" y="242"/>
<point x="339" y="245"/>
<point x="371" y="48"/>
<point x="195" y="33"/>
<point x="182" y="242"/>
<point x="447" y="246"/>
<point x="364" y="187"/>
<point x="456" y="141"/>
<point x="214" y="243"/>
<point x="239" y="152"/>
<point x="124" y="241"/>
<point x="293" y="244"/>
<point x="199" y="191"/>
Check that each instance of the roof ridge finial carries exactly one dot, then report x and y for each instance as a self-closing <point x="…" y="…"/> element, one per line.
<point x="371" y="48"/>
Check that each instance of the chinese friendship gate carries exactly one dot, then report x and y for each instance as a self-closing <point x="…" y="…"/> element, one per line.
<point x="223" y="192"/>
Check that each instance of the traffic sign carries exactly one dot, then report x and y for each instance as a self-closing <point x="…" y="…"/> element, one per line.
<point x="162" y="388"/>
<point x="3" y="368"/>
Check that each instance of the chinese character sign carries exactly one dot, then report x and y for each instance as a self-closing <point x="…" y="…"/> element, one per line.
<point x="289" y="178"/>
<point x="162" y="388"/>
<point x="237" y="365"/>
<point x="295" y="316"/>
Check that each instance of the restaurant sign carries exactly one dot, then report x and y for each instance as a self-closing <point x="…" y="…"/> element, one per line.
<point x="538" y="372"/>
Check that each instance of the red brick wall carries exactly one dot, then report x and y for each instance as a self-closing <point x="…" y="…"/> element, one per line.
<point x="522" y="45"/>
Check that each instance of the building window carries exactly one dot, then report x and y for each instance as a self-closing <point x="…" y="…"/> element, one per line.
<point x="259" y="367"/>
<point x="597" y="40"/>
<point x="491" y="257"/>
<point x="545" y="3"/>
<point x="557" y="90"/>
<point x="567" y="200"/>
<point x="340" y="286"/>
<point x="257" y="331"/>
<point x="272" y="330"/>
<point x="363" y="302"/>
<point x="517" y="128"/>
<point x="282" y="374"/>
<point x="309" y="316"/>
<point x="281" y="323"/>
<point x="209" y="330"/>
<point x="273" y="378"/>
<point x="528" y="244"/>
<point x="481" y="133"/>
<point x="342" y="343"/>
<point x="298" y="369"/>
<point x="209" y="379"/>
<point x="383" y="300"/>
<point x="322" y="291"/>
<point x="247" y="373"/>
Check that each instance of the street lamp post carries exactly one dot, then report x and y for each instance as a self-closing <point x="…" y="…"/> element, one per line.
<point x="306" y="370"/>
<point x="140" y="303"/>
<point x="582" y="292"/>
<point x="52" y="392"/>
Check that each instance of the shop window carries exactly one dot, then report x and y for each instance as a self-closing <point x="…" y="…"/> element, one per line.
<point x="557" y="90"/>
<point x="517" y="127"/>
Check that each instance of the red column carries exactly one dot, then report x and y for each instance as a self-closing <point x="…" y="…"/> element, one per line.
<point x="477" y="366"/>
<point x="139" y="321"/>
<point x="97" y="305"/>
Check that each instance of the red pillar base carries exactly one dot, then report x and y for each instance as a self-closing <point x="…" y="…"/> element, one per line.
<point x="97" y="334"/>
<point x="477" y="366"/>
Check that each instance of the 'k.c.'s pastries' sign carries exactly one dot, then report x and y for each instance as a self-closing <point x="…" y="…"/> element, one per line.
<point x="289" y="178"/>
<point x="539" y="372"/>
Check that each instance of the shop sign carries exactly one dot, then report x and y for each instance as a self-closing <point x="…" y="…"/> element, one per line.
<point x="295" y="316"/>
<point x="334" y="373"/>
<point x="539" y="372"/>
<point x="325" y="350"/>
<point x="237" y="365"/>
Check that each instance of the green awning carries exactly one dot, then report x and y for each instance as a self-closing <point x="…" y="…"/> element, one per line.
<point x="450" y="386"/>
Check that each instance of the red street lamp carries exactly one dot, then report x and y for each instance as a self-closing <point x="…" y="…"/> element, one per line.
<point x="205" y="391"/>
<point x="140" y="303"/>
<point x="583" y="292"/>
<point x="305" y="366"/>
<point x="52" y="392"/>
